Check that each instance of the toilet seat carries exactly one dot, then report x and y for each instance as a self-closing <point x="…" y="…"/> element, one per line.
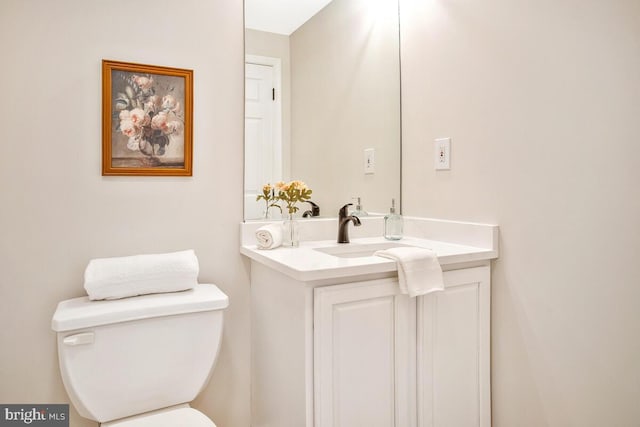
<point x="177" y="417"/>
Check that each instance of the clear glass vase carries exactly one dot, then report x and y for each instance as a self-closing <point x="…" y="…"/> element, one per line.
<point x="266" y="214"/>
<point x="291" y="232"/>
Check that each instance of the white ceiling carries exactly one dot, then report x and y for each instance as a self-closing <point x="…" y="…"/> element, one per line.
<point x="280" y="16"/>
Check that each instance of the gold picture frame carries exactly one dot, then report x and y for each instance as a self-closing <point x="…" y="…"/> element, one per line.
<point x="147" y="120"/>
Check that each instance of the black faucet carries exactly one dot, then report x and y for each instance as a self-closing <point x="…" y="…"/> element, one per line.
<point x="343" y="222"/>
<point x="315" y="210"/>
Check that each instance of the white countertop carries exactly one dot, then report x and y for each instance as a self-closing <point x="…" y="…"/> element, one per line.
<point x="304" y="263"/>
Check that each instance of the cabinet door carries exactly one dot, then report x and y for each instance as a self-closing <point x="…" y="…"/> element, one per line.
<point x="364" y="355"/>
<point x="453" y="352"/>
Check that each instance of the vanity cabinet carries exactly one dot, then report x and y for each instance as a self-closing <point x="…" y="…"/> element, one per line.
<point x="453" y="351"/>
<point x="355" y="352"/>
<point x="364" y="355"/>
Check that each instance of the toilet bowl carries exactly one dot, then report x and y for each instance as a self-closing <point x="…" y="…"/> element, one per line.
<point x="138" y="362"/>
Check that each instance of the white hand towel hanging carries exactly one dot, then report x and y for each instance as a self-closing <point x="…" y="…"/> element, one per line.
<point x="419" y="271"/>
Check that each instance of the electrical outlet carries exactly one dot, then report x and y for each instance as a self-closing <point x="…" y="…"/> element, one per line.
<point x="443" y="154"/>
<point x="369" y="161"/>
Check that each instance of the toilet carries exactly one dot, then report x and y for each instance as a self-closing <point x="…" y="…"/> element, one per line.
<point x="138" y="362"/>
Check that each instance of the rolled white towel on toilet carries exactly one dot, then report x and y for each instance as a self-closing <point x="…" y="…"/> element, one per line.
<point x="269" y="236"/>
<point x="121" y="277"/>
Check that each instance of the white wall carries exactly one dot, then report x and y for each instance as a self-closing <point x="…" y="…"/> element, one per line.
<point x="542" y="102"/>
<point x="57" y="211"/>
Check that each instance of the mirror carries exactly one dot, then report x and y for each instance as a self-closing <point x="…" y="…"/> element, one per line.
<point x="322" y="102"/>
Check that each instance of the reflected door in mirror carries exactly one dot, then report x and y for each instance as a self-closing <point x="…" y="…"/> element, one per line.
<point x="263" y="158"/>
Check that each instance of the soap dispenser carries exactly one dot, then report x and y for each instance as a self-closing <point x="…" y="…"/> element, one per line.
<point x="393" y="223"/>
<point x="359" y="212"/>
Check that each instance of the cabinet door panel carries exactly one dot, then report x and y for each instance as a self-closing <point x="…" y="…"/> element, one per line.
<point x="363" y="355"/>
<point x="363" y="362"/>
<point x="453" y="352"/>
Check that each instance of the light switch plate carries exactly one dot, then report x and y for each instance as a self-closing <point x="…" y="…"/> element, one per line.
<point x="443" y="154"/>
<point x="369" y="161"/>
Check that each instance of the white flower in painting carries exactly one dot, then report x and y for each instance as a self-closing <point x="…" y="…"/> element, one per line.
<point x="133" y="144"/>
<point x="139" y="117"/>
<point x="143" y="82"/>
<point x="174" y="126"/>
<point x="128" y="128"/>
<point x="153" y="104"/>
<point x="159" y="121"/>
<point x="169" y="103"/>
<point x="124" y="115"/>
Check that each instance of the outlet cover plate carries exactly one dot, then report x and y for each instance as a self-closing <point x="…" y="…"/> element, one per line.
<point x="442" y="154"/>
<point x="369" y="161"/>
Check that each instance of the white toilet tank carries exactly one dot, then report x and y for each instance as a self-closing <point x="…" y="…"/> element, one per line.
<point x="124" y="357"/>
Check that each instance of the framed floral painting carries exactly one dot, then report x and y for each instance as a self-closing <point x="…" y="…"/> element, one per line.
<point x="147" y="120"/>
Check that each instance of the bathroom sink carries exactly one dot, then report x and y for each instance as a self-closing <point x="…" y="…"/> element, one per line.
<point x="358" y="250"/>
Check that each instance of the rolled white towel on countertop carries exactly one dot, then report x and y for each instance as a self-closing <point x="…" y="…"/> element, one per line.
<point x="121" y="277"/>
<point x="419" y="270"/>
<point x="269" y="236"/>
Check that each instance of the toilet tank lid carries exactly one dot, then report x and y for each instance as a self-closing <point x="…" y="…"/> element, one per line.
<point x="78" y="313"/>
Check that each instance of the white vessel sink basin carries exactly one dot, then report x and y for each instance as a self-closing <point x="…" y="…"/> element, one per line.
<point x="358" y="250"/>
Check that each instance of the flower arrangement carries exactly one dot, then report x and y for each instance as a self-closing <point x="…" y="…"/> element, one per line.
<point x="288" y="192"/>
<point x="147" y="116"/>
<point x="269" y="197"/>
<point x="291" y="193"/>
